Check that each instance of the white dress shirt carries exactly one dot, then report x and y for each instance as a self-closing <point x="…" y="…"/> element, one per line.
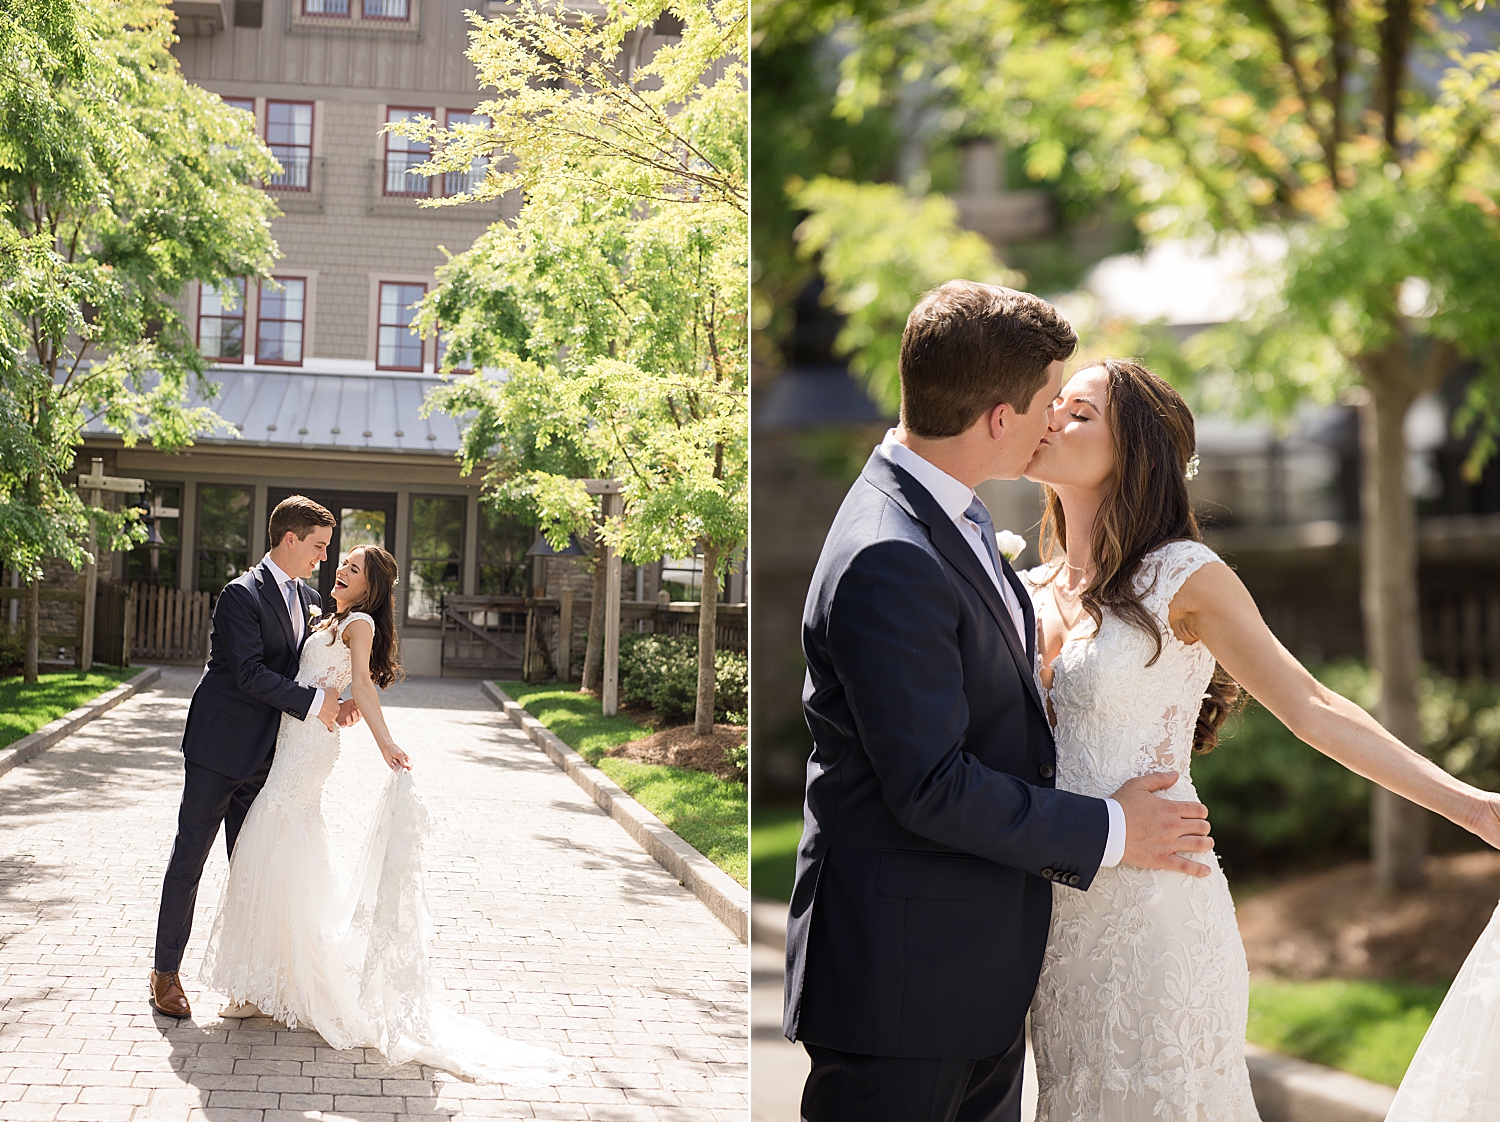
<point x="286" y="585"/>
<point x="954" y="499"/>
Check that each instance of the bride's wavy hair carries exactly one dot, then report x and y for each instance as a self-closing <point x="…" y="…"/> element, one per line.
<point x="381" y="578"/>
<point x="1146" y="505"/>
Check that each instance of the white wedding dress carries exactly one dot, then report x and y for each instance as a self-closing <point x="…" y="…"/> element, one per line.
<point x="1455" y="1075"/>
<point x="347" y="960"/>
<point x="1140" y="1012"/>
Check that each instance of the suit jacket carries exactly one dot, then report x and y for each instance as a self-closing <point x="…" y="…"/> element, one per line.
<point x="933" y="831"/>
<point x="250" y="679"/>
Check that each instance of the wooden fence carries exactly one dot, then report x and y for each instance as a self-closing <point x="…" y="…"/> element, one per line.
<point x="520" y="636"/>
<point x="1461" y="632"/>
<point x="171" y="625"/>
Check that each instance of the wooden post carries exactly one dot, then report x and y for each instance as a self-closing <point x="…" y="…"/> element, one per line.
<point x="565" y="635"/>
<point x="90" y="583"/>
<point x="612" y="505"/>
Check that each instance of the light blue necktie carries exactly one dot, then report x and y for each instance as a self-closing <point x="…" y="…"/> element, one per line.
<point x="979" y="514"/>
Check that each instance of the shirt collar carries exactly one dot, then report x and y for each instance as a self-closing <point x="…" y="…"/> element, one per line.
<point x="281" y="578"/>
<point x="954" y="497"/>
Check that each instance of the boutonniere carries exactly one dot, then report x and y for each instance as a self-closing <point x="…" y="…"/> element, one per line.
<point x="313" y="612"/>
<point x="1009" y="544"/>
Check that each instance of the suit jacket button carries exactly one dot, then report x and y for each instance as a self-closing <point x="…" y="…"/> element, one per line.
<point x="1073" y="879"/>
<point x="1047" y="771"/>
<point x="1047" y="873"/>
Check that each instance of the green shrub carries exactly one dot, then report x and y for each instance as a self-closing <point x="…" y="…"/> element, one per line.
<point x="661" y="671"/>
<point x="1276" y="804"/>
<point x="12" y="651"/>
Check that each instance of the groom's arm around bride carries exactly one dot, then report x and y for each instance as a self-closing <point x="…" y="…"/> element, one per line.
<point x="933" y="830"/>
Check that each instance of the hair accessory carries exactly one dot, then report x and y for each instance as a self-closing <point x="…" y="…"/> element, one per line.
<point x="1192" y="467"/>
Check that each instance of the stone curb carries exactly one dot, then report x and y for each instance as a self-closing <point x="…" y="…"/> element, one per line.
<point x="69" y="723"/>
<point x="1292" y="1090"/>
<point x="1285" y="1089"/>
<point x="720" y="893"/>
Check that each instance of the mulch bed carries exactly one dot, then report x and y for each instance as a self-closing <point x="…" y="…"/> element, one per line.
<point x="1337" y="924"/>
<point x="677" y="746"/>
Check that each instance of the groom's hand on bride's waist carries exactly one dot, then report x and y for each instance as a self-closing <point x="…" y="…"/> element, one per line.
<point x="1158" y="830"/>
<point x="330" y="711"/>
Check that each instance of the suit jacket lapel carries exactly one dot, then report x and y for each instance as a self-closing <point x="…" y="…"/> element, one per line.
<point x="919" y="503"/>
<point x="276" y="601"/>
<point x="951" y="545"/>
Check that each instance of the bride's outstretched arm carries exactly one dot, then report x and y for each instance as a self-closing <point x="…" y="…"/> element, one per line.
<point x="359" y="635"/>
<point x="1214" y="606"/>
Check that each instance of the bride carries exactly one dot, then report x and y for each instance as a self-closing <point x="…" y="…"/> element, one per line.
<point x="348" y="960"/>
<point x="1141" y="1008"/>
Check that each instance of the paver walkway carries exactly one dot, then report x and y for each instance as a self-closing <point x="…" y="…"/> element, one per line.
<point x="551" y="925"/>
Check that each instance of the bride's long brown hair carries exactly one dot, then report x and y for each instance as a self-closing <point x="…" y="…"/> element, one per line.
<point x="381" y="576"/>
<point x="1146" y="506"/>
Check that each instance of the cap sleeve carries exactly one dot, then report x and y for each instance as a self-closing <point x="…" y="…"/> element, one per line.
<point x="1163" y="571"/>
<point x="352" y="616"/>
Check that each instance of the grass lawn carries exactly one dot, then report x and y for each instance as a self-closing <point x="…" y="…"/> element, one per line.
<point x="1370" y="1029"/>
<point x="708" y="813"/>
<point x="24" y="709"/>
<point x="774" y="834"/>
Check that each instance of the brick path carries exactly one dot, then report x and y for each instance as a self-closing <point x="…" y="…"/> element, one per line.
<point x="551" y="925"/>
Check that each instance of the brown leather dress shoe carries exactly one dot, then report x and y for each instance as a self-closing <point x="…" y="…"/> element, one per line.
<point x="167" y="995"/>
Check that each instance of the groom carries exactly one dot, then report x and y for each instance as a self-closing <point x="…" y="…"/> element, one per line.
<point x="260" y="623"/>
<point x="933" y="830"/>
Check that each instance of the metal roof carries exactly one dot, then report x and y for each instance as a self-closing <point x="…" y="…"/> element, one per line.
<point x="300" y="409"/>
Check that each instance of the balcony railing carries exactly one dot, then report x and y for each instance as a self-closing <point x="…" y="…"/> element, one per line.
<point x="296" y="170"/>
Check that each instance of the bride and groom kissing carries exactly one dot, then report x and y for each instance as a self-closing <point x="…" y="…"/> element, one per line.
<point x="290" y="939"/>
<point x="999" y="818"/>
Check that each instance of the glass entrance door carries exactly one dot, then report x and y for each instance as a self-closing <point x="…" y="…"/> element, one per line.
<point x="363" y="519"/>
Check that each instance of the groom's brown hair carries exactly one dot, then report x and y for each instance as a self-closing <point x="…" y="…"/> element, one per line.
<point x="968" y="347"/>
<point x="300" y="515"/>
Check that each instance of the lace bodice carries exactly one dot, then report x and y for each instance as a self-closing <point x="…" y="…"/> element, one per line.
<point x="1117" y="717"/>
<point x="305" y="750"/>
<point x="1139" y="1015"/>
<point x="325" y="656"/>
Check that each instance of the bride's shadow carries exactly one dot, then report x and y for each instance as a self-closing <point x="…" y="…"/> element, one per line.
<point x="226" y="1067"/>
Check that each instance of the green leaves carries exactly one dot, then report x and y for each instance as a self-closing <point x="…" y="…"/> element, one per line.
<point x="120" y="183"/>
<point x="611" y="314"/>
<point x="879" y="249"/>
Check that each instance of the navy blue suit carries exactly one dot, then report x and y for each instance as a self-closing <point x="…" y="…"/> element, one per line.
<point x="933" y="831"/>
<point x="230" y="737"/>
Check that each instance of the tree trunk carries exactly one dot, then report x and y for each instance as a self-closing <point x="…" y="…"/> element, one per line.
<point x="708" y="618"/>
<point x="592" y="668"/>
<point x="1389" y="599"/>
<point x="33" y="630"/>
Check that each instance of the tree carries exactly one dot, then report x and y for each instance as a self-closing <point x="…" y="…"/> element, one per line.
<point x="1211" y="118"/>
<point x="121" y="183"/>
<point x="615" y="305"/>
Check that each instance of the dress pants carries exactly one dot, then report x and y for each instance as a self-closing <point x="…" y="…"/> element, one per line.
<point x="208" y="798"/>
<point x="847" y="1087"/>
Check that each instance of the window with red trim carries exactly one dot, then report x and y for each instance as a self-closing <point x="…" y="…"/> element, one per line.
<point x="402" y="154"/>
<point x="396" y="348"/>
<point x="289" y="129"/>
<point x="463" y="182"/>
<point x="279" y="325"/>
<point x="387" y="9"/>
<point x="221" y="320"/>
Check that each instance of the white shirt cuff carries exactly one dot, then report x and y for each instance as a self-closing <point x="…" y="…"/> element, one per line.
<point x="1114" y="848"/>
<point x="317" y="705"/>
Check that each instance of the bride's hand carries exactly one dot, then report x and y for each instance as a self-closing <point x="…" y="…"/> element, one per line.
<point x="395" y="758"/>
